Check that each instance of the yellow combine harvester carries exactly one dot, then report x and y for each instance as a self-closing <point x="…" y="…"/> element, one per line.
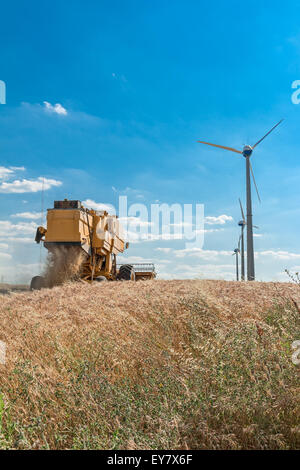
<point x="88" y="240"/>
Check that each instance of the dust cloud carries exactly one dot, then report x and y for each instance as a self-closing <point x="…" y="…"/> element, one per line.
<point x="63" y="264"/>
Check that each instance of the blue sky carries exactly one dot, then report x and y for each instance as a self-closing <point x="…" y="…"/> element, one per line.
<point x="138" y="83"/>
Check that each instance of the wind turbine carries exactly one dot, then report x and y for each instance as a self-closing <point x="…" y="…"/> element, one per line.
<point x="236" y="252"/>
<point x="247" y="152"/>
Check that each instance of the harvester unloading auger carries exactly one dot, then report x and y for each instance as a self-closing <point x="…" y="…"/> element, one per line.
<point x="84" y="243"/>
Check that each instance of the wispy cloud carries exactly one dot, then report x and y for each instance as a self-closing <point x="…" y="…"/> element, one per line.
<point x="200" y="253"/>
<point x="18" y="168"/>
<point x="17" y="239"/>
<point x="219" y="220"/>
<point x="130" y="192"/>
<point x="27" y="215"/>
<point x="56" y="108"/>
<point x="99" y="206"/>
<point x="135" y="222"/>
<point x="5" y="255"/>
<point x="119" y="77"/>
<point x="282" y="255"/>
<point x="6" y="173"/>
<point x="163" y="250"/>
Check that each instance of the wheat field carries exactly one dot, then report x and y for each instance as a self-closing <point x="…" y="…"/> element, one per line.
<point x="150" y="365"/>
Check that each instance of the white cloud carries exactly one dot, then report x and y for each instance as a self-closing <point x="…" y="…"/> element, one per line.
<point x="209" y="271"/>
<point x="164" y="250"/>
<point x="25" y="185"/>
<point x="28" y="186"/>
<point x="18" y="239"/>
<point x="18" y="273"/>
<point x="282" y="255"/>
<point x="5" y="256"/>
<point x="99" y="206"/>
<point x="180" y="224"/>
<point x="135" y="221"/>
<point x="57" y="108"/>
<point x="210" y="230"/>
<point x="198" y="271"/>
<point x="161" y="262"/>
<point x="137" y="237"/>
<point x="6" y="173"/>
<point x="18" y="168"/>
<point x="27" y="215"/>
<point x="6" y="227"/>
<point x="183" y="225"/>
<point x="219" y="220"/>
<point x="200" y="253"/>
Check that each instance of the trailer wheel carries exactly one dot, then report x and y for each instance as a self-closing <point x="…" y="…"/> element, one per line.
<point x="100" y="279"/>
<point x="126" y="273"/>
<point x="37" y="283"/>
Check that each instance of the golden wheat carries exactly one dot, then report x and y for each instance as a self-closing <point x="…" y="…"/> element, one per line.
<point x="155" y="364"/>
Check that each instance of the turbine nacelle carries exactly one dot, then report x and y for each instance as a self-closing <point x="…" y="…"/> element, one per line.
<point x="241" y="223"/>
<point x="247" y="151"/>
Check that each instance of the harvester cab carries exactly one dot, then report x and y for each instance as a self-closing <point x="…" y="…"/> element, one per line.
<point x="84" y="243"/>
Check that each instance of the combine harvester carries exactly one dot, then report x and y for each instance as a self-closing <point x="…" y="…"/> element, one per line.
<point x="94" y="237"/>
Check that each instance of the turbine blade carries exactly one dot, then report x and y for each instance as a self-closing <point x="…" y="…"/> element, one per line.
<point x="220" y="147"/>
<point x="254" y="182"/>
<point x="243" y="216"/>
<point x="255" y="226"/>
<point x="253" y="146"/>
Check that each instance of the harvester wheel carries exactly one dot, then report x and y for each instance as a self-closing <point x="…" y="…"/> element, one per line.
<point x="37" y="283"/>
<point x="100" y="279"/>
<point x="126" y="273"/>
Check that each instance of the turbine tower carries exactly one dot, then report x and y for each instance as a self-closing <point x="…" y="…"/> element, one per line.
<point x="247" y="152"/>
<point x="236" y="252"/>
<point x="242" y="224"/>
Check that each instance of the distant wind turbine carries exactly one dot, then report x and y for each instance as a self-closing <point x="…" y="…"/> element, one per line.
<point x="247" y="152"/>
<point x="236" y="252"/>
